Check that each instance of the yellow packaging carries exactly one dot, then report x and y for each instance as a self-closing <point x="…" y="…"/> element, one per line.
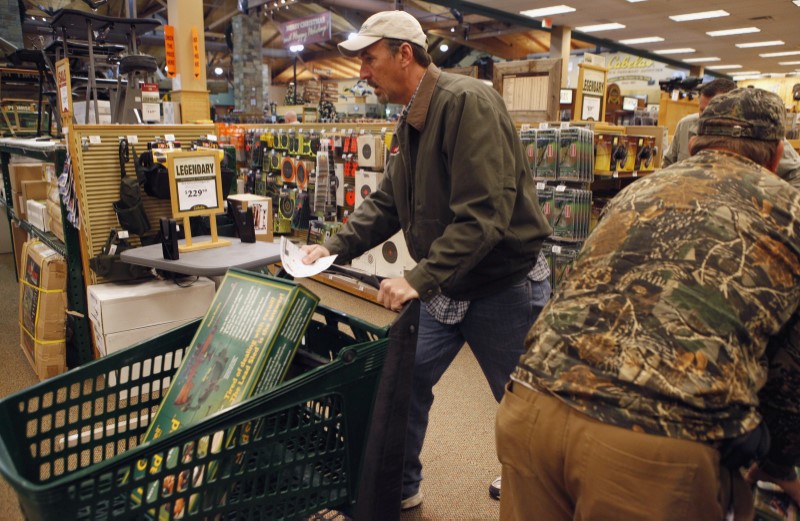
<point x="42" y="309"/>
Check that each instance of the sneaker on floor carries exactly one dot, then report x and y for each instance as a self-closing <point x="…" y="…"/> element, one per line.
<point x="411" y="502"/>
<point x="494" y="488"/>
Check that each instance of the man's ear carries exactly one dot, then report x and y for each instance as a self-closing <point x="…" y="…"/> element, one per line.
<point x="776" y="158"/>
<point x="406" y="54"/>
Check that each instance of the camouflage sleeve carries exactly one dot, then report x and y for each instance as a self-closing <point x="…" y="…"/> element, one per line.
<point x="780" y="401"/>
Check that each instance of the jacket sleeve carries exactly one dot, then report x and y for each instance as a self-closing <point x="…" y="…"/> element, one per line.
<point x="671" y="155"/>
<point x="374" y="221"/>
<point x="479" y="154"/>
<point x="780" y="402"/>
<point x="789" y="166"/>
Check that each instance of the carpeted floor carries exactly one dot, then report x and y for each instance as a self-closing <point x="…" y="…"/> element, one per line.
<point x="459" y="455"/>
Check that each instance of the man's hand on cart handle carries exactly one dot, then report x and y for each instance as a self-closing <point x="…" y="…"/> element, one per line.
<point x="790" y="486"/>
<point x="314" y="252"/>
<point x="396" y="292"/>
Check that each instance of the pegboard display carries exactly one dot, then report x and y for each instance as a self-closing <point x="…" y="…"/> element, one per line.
<point x="95" y="152"/>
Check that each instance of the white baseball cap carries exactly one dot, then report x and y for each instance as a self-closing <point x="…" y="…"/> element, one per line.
<point x="386" y="24"/>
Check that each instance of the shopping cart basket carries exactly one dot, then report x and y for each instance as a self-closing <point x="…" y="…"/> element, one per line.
<point x="70" y="445"/>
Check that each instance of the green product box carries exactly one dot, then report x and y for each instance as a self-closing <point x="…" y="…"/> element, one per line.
<point x="547" y="145"/>
<point x="244" y="346"/>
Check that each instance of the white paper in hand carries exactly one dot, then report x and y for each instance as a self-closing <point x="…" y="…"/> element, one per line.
<point x="292" y="261"/>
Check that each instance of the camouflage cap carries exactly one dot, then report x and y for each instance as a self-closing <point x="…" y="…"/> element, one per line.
<point x="747" y="113"/>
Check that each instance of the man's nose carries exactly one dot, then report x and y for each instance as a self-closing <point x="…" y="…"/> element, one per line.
<point x="363" y="73"/>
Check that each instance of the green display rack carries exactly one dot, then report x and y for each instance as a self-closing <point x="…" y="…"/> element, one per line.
<point x="79" y="343"/>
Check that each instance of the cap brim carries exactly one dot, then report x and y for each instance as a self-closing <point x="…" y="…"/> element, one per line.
<point x="353" y="46"/>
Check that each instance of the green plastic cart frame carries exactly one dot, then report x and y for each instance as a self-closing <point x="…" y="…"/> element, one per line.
<point x="320" y="440"/>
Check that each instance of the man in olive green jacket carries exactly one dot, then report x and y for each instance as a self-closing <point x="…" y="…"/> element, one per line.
<point x="458" y="185"/>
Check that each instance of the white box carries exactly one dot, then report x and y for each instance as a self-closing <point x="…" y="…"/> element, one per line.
<point x="366" y="183"/>
<point x="123" y="307"/>
<point x="104" y="106"/>
<point x="392" y="258"/>
<point x="37" y="214"/>
<point x="113" y="342"/>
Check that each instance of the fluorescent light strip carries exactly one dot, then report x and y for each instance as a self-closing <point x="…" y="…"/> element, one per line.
<point x="746" y="73"/>
<point x="699" y="16"/>
<point x="731" y="32"/>
<point x="788" y="63"/>
<point x="599" y="27"/>
<point x="685" y="50"/>
<point x="796" y="2"/>
<point x="702" y="60"/>
<point x="777" y="54"/>
<point x="723" y="67"/>
<point x="760" y="44"/>
<point x="745" y="78"/>
<point x="646" y="39"/>
<point x="548" y="11"/>
<point x="635" y="1"/>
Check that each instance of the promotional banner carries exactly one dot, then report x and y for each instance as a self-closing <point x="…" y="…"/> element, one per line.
<point x="309" y="29"/>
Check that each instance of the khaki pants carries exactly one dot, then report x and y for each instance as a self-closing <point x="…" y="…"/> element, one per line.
<point x="559" y="464"/>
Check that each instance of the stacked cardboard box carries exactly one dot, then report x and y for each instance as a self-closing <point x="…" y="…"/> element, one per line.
<point x="42" y="309"/>
<point x="125" y="314"/>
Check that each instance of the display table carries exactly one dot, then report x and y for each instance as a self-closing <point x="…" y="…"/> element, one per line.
<point x="208" y="263"/>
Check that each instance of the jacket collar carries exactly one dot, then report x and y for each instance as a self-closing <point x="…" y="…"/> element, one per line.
<point x="418" y="112"/>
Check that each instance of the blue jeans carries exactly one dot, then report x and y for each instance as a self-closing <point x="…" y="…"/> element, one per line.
<point x="495" y="328"/>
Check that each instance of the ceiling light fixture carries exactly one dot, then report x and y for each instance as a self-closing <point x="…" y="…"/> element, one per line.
<point x="218" y="71"/>
<point x="796" y="2"/>
<point x="682" y="50"/>
<point x="702" y="60"/>
<point x="452" y="29"/>
<point x="599" y="27"/>
<point x="760" y="44"/>
<point x="746" y="73"/>
<point x="548" y="11"/>
<point x="789" y="63"/>
<point x="443" y="47"/>
<point x="646" y="39"/>
<point x="635" y="1"/>
<point x="724" y="67"/>
<point x="731" y="32"/>
<point x="778" y="54"/>
<point x="296" y="48"/>
<point x="699" y="16"/>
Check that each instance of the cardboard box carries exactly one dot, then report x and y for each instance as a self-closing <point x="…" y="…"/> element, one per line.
<point x="18" y="238"/>
<point x="54" y="222"/>
<point x="30" y="190"/>
<point x="24" y="172"/>
<point x="37" y="214"/>
<point x="123" y="307"/>
<point x="111" y="343"/>
<point x="262" y="213"/>
<point x="42" y="309"/>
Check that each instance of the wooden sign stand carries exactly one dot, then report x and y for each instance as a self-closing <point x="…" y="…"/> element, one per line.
<point x="196" y="189"/>
<point x="590" y="102"/>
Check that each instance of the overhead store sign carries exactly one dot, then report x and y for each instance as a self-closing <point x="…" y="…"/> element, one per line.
<point x="309" y="29"/>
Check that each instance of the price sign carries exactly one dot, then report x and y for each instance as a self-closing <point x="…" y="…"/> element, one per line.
<point x="195" y="178"/>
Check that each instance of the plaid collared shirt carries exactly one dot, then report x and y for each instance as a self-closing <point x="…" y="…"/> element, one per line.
<point x="449" y="312"/>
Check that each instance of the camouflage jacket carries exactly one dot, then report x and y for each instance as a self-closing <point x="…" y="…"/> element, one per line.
<point x="681" y="307"/>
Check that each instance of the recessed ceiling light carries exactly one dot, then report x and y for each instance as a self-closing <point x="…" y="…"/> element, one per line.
<point x="746" y="73"/>
<point x="760" y="44"/>
<point x="599" y="27"/>
<point x="731" y="32"/>
<point x="548" y="11"/>
<point x="788" y="63"/>
<point x="723" y="67"/>
<point x="218" y="71"/>
<point x="702" y="60"/>
<point x="444" y="47"/>
<point x="683" y="50"/>
<point x="646" y="39"/>
<point x="699" y="16"/>
<point x="777" y="54"/>
<point x="634" y="1"/>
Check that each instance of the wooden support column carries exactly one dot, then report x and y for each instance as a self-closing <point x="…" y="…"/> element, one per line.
<point x="697" y="70"/>
<point x="189" y="87"/>
<point x="560" y="46"/>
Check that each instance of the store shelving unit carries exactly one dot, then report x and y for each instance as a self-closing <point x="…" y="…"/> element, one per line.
<point x="79" y="344"/>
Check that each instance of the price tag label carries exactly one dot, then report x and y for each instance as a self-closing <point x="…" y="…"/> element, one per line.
<point x="556" y="248"/>
<point x="212" y="137"/>
<point x="95" y="140"/>
<point x="635" y="173"/>
<point x="133" y="140"/>
<point x="543" y="125"/>
<point x="565" y="124"/>
<point x="561" y="188"/>
<point x="169" y="137"/>
<point x="540" y="185"/>
<point x="383" y="130"/>
<point x="196" y="182"/>
<point x="525" y="127"/>
<point x="615" y="174"/>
